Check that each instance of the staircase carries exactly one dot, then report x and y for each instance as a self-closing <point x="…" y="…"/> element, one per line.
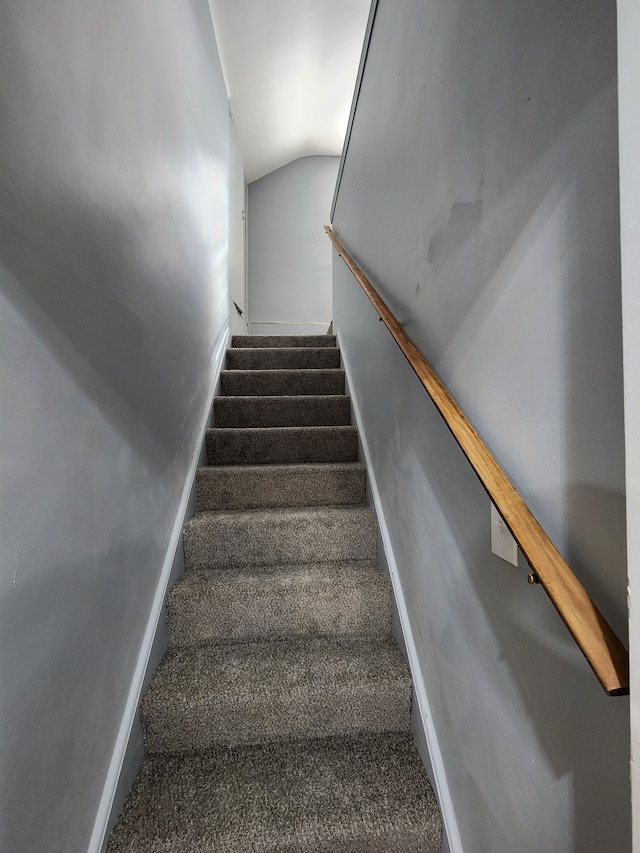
<point x="279" y="719"/>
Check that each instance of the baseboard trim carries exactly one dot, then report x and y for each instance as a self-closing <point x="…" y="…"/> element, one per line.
<point x="127" y="727"/>
<point x="451" y="841"/>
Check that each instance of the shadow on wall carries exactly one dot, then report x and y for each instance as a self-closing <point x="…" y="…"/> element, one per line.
<point x="113" y="204"/>
<point x="45" y="739"/>
<point x="523" y="689"/>
<point x="72" y="286"/>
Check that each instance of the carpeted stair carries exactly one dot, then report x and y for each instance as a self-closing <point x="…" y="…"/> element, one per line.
<point x="278" y="721"/>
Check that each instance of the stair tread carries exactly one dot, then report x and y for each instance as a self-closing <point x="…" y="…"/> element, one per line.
<point x="287" y="430"/>
<point x="243" y="341"/>
<point x="293" y="372"/>
<point x="317" y="599"/>
<point x="280" y="485"/>
<point x="301" y="467"/>
<point x="278" y="399"/>
<point x="336" y="794"/>
<point x="282" y="535"/>
<point x="281" y="349"/>
<point x="202" y="518"/>
<point x="256" y="692"/>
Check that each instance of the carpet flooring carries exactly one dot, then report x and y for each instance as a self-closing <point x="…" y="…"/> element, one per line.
<point x="278" y="721"/>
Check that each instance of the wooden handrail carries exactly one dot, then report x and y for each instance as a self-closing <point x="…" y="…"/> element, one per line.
<point x="603" y="650"/>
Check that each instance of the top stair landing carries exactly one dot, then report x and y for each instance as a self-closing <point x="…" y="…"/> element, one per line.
<point x="243" y="341"/>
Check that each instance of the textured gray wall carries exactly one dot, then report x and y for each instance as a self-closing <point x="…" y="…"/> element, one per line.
<point x="481" y="193"/>
<point x="113" y="298"/>
<point x="237" y="236"/>
<point x="289" y="261"/>
<point x="628" y="75"/>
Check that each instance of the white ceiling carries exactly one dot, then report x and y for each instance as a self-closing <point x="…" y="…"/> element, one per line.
<point x="290" y="68"/>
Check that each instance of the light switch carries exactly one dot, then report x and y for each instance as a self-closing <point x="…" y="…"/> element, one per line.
<point x="502" y="542"/>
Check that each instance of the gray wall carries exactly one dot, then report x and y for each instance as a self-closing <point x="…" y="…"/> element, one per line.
<point x="628" y="75"/>
<point x="113" y="306"/>
<point x="237" y="236"/>
<point x="289" y="259"/>
<point x="480" y="192"/>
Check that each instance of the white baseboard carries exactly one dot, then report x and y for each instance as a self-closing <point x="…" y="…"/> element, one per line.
<point x="127" y="723"/>
<point x="452" y="835"/>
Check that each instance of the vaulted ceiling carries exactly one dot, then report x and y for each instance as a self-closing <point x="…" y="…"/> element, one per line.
<point x="290" y="68"/>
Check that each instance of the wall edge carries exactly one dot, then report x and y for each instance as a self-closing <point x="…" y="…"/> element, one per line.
<point x="354" y="103"/>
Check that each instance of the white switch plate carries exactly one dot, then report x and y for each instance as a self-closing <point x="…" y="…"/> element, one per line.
<point x="502" y="542"/>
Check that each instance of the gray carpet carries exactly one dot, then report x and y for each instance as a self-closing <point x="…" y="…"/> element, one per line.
<point x="279" y="341"/>
<point x="265" y="691"/>
<point x="250" y="383"/>
<point x="223" y="487"/>
<point x="271" y="358"/>
<point x="253" y="603"/>
<point x="334" y="795"/>
<point x="268" y="537"/>
<point x="278" y="720"/>
<point x="287" y="411"/>
<point x="271" y="445"/>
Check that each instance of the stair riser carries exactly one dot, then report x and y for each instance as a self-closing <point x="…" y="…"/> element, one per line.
<point x="231" y="723"/>
<point x="266" y="693"/>
<point x="315" y="410"/>
<point x="254" y="383"/>
<point x="238" y="487"/>
<point x="259" y="799"/>
<point x="286" y="445"/>
<point x="292" y="358"/>
<point x="241" y="341"/>
<point x="244" y="607"/>
<point x="279" y="538"/>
